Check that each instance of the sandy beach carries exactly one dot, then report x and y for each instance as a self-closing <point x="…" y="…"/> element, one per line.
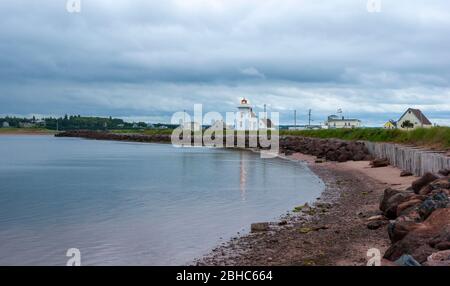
<point x="333" y="231"/>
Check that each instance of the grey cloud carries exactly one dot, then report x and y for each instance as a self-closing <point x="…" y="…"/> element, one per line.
<point x="150" y="58"/>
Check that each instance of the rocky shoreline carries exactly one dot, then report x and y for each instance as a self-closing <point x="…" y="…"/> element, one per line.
<point x="327" y="149"/>
<point x="331" y="231"/>
<point x="356" y="213"/>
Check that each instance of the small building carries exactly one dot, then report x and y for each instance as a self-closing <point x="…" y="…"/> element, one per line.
<point x="413" y="118"/>
<point x="246" y="119"/>
<point x="26" y="125"/>
<point x="334" y="122"/>
<point x="391" y="124"/>
<point x="5" y="124"/>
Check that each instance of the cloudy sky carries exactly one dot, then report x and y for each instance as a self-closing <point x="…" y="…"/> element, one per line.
<point x="147" y="59"/>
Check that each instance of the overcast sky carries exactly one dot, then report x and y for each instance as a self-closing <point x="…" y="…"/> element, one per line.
<point x="144" y="60"/>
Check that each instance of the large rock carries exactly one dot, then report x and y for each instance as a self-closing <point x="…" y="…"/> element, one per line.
<point x="424" y="180"/>
<point x="444" y="172"/>
<point x="388" y="193"/>
<point x="330" y="149"/>
<point x="398" y="229"/>
<point x="377" y="163"/>
<point x="406" y="260"/>
<point x="405" y="173"/>
<point x="422" y="238"/>
<point x="437" y="201"/>
<point x="376" y="224"/>
<point x="259" y="226"/>
<point x="443" y="183"/>
<point x="440" y="258"/>
<point x="407" y="205"/>
<point x="391" y="200"/>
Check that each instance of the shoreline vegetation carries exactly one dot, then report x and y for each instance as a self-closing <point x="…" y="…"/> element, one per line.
<point x="435" y="137"/>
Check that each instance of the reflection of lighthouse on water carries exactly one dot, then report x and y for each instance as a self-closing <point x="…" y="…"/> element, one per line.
<point x="242" y="175"/>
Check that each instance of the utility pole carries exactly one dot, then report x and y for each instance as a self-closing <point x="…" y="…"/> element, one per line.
<point x="295" y="119"/>
<point x="265" y="116"/>
<point x="309" y="118"/>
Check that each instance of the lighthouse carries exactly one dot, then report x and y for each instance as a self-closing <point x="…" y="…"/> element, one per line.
<point x="246" y="119"/>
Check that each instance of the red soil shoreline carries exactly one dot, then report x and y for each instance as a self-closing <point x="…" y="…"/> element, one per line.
<point x="334" y="233"/>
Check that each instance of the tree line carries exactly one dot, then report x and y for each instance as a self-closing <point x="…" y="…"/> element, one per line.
<point x="73" y="122"/>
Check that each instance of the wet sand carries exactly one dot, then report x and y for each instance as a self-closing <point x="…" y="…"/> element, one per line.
<point x="334" y="232"/>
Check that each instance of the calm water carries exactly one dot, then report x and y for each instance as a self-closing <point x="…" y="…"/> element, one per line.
<point x="134" y="204"/>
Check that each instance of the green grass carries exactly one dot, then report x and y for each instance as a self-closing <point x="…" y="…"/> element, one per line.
<point x="438" y="137"/>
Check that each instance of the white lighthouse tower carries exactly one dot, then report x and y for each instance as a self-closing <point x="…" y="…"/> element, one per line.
<point x="246" y="120"/>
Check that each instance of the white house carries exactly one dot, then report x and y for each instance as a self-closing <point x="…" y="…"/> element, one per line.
<point x="416" y="119"/>
<point x="5" y="124"/>
<point x="246" y="119"/>
<point x="335" y="121"/>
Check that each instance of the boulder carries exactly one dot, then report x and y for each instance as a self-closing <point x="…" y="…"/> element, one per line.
<point x="425" y="190"/>
<point x="424" y="180"/>
<point x="377" y="163"/>
<point x="443" y="183"/>
<point x="407" y="205"/>
<point x="359" y="156"/>
<point x="397" y="230"/>
<point x="376" y="224"/>
<point x="259" y="226"/>
<point x="406" y="260"/>
<point x="388" y="193"/>
<point x="444" y="172"/>
<point x="437" y="201"/>
<point x="421" y="240"/>
<point x="441" y="241"/>
<point x="391" y="199"/>
<point x="440" y="258"/>
<point x="405" y="173"/>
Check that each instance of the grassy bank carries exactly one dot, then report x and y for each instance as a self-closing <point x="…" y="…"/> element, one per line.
<point x="437" y="137"/>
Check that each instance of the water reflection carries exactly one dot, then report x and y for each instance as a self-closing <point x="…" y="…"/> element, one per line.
<point x="243" y="158"/>
<point x="133" y="203"/>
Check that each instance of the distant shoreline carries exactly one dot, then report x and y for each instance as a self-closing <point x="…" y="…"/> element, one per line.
<point x="26" y="131"/>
